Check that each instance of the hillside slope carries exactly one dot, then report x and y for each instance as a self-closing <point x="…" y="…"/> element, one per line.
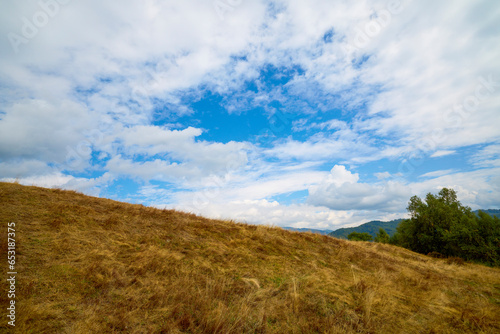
<point x="90" y="265"/>
<point x="390" y="227"/>
<point x="312" y="230"/>
<point x="370" y="228"/>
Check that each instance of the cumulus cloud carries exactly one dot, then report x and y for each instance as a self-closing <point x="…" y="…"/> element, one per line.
<point x="293" y="215"/>
<point x="37" y="129"/>
<point x="95" y="90"/>
<point x="173" y="155"/>
<point x="90" y="186"/>
<point x="425" y="100"/>
<point x="47" y="180"/>
<point x="479" y="189"/>
<point x="342" y="191"/>
<point x="15" y="169"/>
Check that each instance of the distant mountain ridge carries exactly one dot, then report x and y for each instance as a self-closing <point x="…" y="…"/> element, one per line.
<point x="370" y="228"/>
<point x="390" y="227"/>
<point x="491" y="212"/>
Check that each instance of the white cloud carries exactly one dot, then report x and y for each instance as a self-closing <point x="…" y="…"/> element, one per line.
<point x="383" y="175"/>
<point x="442" y="153"/>
<point x="293" y="215"/>
<point x="417" y="61"/>
<point x="154" y="140"/>
<point x="19" y="168"/>
<point x="37" y="129"/>
<point x="478" y="189"/>
<point x="47" y="181"/>
<point x="134" y="47"/>
<point x="342" y="191"/>
<point x="341" y="143"/>
<point x="437" y="173"/>
<point x="95" y="77"/>
<point x="340" y="176"/>
<point x="174" y="155"/>
<point x="251" y="185"/>
<point x="59" y="180"/>
<point x="489" y="156"/>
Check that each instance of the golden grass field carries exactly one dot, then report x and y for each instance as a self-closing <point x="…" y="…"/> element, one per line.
<point x="92" y="265"/>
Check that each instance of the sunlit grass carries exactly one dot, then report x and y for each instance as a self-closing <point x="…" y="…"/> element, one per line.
<point x="90" y="265"/>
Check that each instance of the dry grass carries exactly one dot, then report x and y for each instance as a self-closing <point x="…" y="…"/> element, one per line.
<point x="89" y="265"/>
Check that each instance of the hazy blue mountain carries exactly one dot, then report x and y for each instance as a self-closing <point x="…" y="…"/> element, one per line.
<point x="491" y="212"/>
<point x="390" y="226"/>
<point x="370" y="228"/>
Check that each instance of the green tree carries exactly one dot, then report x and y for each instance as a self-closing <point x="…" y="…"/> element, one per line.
<point x="382" y="236"/>
<point x="431" y="220"/>
<point x="355" y="236"/>
<point x="442" y="224"/>
<point x="476" y="239"/>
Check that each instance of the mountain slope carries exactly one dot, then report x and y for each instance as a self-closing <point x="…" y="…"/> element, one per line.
<point x="90" y="265"/>
<point x="389" y="226"/>
<point x="370" y="228"/>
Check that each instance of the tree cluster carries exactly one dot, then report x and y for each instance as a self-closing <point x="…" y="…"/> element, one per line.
<point x="381" y="236"/>
<point x="357" y="236"/>
<point x="442" y="225"/>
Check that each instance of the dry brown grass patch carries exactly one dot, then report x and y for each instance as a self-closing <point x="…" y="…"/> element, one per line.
<point x="94" y="265"/>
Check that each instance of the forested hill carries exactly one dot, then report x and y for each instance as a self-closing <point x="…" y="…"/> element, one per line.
<point x="389" y="226"/>
<point x="370" y="228"/>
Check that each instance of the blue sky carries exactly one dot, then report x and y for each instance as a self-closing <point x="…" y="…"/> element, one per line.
<point x="317" y="114"/>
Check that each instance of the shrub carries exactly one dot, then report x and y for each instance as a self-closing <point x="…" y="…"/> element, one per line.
<point x="382" y="236"/>
<point x="355" y="236"/>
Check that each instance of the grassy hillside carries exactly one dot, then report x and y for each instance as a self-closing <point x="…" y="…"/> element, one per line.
<point x="370" y="228"/>
<point x="312" y="230"/>
<point x="90" y="265"/>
